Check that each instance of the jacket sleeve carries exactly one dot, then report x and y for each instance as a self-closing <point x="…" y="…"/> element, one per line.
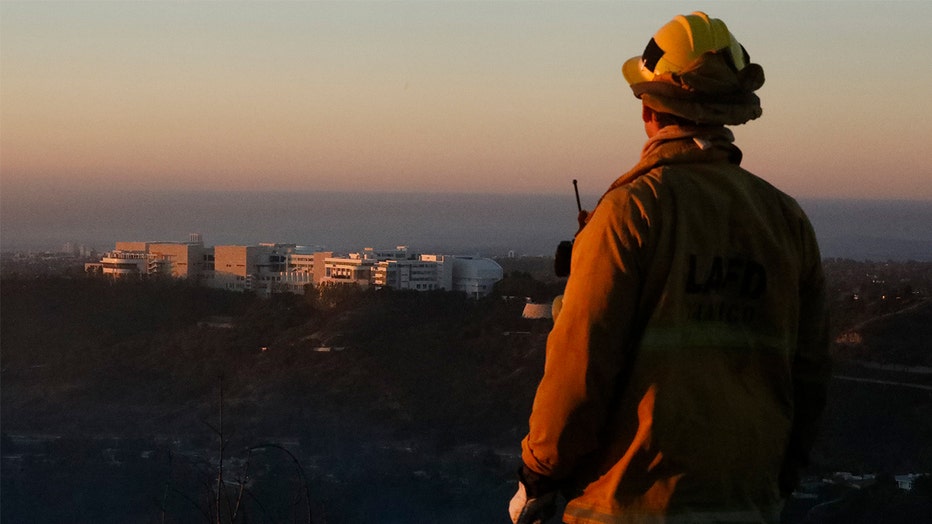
<point x="811" y="364"/>
<point x="585" y="349"/>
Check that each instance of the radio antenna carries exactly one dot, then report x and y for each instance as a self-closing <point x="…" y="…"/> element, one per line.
<point x="576" y="189"/>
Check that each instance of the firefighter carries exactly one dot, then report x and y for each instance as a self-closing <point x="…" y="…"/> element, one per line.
<point x="687" y="369"/>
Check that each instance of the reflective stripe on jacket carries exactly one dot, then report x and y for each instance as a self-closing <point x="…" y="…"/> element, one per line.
<point x="687" y="368"/>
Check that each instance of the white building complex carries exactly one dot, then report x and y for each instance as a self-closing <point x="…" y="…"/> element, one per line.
<point x="288" y="268"/>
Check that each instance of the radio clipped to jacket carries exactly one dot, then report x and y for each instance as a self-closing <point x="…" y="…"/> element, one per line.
<point x="561" y="259"/>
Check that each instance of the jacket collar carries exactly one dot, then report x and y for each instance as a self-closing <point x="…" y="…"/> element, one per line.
<point x="679" y="145"/>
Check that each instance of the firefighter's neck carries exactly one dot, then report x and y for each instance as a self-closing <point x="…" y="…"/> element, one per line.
<point x="654" y="121"/>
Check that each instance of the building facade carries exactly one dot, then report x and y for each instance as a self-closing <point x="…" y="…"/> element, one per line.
<point x="288" y="268"/>
<point x="137" y="259"/>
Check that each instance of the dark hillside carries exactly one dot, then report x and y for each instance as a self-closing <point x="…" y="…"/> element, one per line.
<point x="414" y="401"/>
<point x="893" y="338"/>
<point x="418" y="394"/>
<point x="81" y="355"/>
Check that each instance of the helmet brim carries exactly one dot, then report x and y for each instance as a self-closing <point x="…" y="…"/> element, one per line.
<point x="633" y="72"/>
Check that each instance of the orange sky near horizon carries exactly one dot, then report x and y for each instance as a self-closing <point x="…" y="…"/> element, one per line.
<point x="426" y="96"/>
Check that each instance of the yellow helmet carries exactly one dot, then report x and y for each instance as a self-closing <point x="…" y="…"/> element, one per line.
<point x="679" y="43"/>
<point x="694" y="68"/>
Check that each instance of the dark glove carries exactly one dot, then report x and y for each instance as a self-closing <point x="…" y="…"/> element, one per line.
<point x="531" y="510"/>
<point x="582" y="219"/>
<point x="536" y="498"/>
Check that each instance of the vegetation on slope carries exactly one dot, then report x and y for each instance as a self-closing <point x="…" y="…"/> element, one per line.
<point x="449" y="378"/>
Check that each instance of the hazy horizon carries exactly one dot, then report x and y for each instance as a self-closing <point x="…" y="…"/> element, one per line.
<point x="117" y="117"/>
<point x="460" y="223"/>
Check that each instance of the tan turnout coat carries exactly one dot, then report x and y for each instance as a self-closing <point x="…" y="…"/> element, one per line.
<point x="686" y="371"/>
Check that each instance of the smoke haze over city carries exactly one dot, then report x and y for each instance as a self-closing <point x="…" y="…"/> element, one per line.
<point x="491" y="225"/>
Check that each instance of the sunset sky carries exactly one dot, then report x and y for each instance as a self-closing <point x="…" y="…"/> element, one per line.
<point x="439" y="96"/>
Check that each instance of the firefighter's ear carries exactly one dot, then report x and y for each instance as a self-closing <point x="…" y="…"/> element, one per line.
<point x="651" y="119"/>
<point x="647" y="114"/>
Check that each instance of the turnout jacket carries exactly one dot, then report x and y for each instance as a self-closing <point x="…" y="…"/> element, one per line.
<point x="686" y="371"/>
